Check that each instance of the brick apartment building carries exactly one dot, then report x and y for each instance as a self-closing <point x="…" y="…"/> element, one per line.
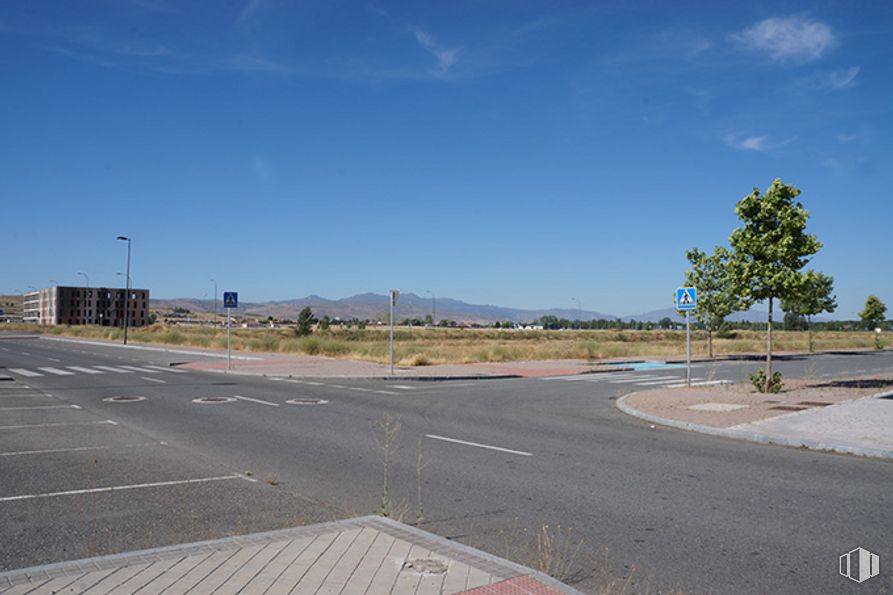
<point x="11" y="308"/>
<point x="103" y="306"/>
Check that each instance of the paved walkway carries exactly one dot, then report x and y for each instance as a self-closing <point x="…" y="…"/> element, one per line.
<point x="370" y="555"/>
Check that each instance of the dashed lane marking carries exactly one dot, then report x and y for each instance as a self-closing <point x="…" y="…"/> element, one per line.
<point x="479" y="445"/>
<point x="158" y="380"/>
<point x="60" y="424"/>
<point x="135" y="486"/>
<point x="24" y="372"/>
<point x="56" y="371"/>
<point x="84" y="370"/>
<point x="115" y="370"/>
<point x="19" y="453"/>
<point x="40" y="407"/>
<point x="256" y="401"/>
<point x="144" y="370"/>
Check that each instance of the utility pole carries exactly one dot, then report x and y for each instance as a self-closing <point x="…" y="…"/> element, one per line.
<point x="393" y="302"/>
<point x="215" y="299"/>
<point x="127" y="289"/>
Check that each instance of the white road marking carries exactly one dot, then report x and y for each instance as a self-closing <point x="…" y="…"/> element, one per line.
<point x="170" y="369"/>
<point x="4" y="348"/>
<point x="676" y="379"/>
<point x="337" y="386"/>
<point x="56" y="425"/>
<point x="24" y="372"/>
<point x="143" y="370"/>
<point x="40" y="407"/>
<point x="360" y="389"/>
<point x="256" y="401"/>
<point x="84" y="370"/>
<point x="479" y="445"/>
<point x="74" y="449"/>
<point x="158" y="380"/>
<point x="135" y="486"/>
<point x="707" y="383"/>
<point x="53" y="359"/>
<point x="313" y="383"/>
<point x="643" y="378"/>
<point x="401" y="386"/>
<point x="26" y="353"/>
<point x="111" y="369"/>
<point x="24" y="396"/>
<point x="385" y="392"/>
<point x="57" y="371"/>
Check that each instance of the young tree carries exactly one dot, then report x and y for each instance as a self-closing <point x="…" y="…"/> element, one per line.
<point x="306" y="320"/>
<point x="814" y="297"/>
<point x="874" y="313"/>
<point x="717" y="299"/>
<point x="770" y="249"/>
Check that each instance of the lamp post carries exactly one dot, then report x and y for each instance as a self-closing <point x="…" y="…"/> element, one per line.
<point x="54" y="283"/>
<point x="127" y="288"/>
<point x="86" y="278"/>
<point x="215" y="300"/>
<point x="579" y="312"/>
<point x="433" y="308"/>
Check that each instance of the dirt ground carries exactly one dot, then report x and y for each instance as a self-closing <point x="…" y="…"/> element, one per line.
<point x="728" y="405"/>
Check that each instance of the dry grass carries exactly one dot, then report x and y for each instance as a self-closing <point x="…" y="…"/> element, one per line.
<point x="428" y="346"/>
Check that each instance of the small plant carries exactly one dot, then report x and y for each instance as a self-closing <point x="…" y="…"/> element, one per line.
<point x="556" y="552"/>
<point x="764" y="385"/>
<point x="878" y="344"/>
<point x="386" y="431"/>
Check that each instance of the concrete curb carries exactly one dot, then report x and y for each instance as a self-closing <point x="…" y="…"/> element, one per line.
<point x="737" y="434"/>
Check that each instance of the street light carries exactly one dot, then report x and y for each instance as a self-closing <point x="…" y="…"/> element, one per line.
<point x="127" y="288"/>
<point x="579" y="312"/>
<point x="87" y="278"/>
<point x="54" y="283"/>
<point x="433" y="308"/>
<point x="215" y="300"/>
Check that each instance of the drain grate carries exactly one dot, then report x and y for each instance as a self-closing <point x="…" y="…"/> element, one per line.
<point x="306" y="401"/>
<point x="788" y="408"/>
<point x="213" y="400"/>
<point x="124" y="399"/>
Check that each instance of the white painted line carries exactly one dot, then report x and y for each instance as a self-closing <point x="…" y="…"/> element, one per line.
<point x="24" y="396"/>
<point x="336" y="386"/>
<point x="136" y="486"/>
<point x="142" y="370"/>
<point x="708" y="383"/>
<point x="313" y="383"/>
<point x="53" y="359"/>
<point x="256" y="401"/>
<point x="168" y="369"/>
<point x="39" y="407"/>
<point x="601" y="377"/>
<point x="24" y="372"/>
<point x="385" y="392"/>
<point x="360" y="389"/>
<point x="653" y="382"/>
<point x="20" y="453"/>
<point x="644" y="378"/>
<point x="402" y="386"/>
<point x="57" y="371"/>
<point x="84" y="370"/>
<point x="479" y="445"/>
<point x="56" y="425"/>
<point x="26" y="353"/>
<point x="111" y="369"/>
<point x="4" y="348"/>
<point x="158" y="380"/>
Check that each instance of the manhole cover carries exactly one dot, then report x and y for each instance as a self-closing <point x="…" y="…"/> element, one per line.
<point x="306" y="401"/>
<point x="124" y="399"/>
<point x="425" y="566"/>
<point x="213" y="400"/>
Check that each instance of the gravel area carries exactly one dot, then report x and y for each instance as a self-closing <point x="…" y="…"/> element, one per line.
<point x="724" y="406"/>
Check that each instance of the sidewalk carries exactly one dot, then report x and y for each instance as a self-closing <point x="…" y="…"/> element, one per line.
<point x="364" y="555"/>
<point x="852" y="417"/>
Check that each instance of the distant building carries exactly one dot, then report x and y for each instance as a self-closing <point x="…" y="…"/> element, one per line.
<point x="11" y="308"/>
<point x="102" y="306"/>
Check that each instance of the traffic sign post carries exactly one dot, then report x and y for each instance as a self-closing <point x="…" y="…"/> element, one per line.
<point x="394" y="294"/>
<point x="686" y="301"/>
<point x="230" y="301"/>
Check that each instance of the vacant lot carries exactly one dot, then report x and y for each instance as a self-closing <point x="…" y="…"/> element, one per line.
<point x="424" y="346"/>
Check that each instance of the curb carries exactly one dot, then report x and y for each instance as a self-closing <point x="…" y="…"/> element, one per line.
<point x="875" y="453"/>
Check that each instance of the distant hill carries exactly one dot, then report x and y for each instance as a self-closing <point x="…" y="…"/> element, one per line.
<point x="374" y="306"/>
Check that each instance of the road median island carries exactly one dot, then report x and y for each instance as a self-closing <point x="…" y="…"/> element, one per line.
<point x="852" y="415"/>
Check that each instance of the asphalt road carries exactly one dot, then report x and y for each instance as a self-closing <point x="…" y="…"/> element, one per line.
<point x="674" y="509"/>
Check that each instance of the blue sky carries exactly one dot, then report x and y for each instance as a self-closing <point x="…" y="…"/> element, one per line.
<point x="513" y="153"/>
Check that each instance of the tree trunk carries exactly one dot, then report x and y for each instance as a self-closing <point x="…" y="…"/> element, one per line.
<point x="769" y="351"/>
<point x="809" y="328"/>
<point x="709" y="343"/>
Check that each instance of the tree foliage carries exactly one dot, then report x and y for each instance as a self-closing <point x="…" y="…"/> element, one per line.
<point x="814" y="296"/>
<point x="874" y="313"/>
<point x="305" y="322"/>
<point x="711" y="275"/>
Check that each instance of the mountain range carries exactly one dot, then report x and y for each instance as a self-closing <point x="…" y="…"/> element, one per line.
<point x="373" y="306"/>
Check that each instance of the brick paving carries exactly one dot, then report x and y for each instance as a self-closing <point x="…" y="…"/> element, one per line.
<point x="366" y="555"/>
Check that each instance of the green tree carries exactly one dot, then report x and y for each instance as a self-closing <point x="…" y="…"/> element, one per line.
<point x="770" y="249"/>
<point x="813" y="298"/>
<point x="710" y="274"/>
<point x="325" y="322"/>
<point x="875" y="312"/>
<point x="306" y="320"/>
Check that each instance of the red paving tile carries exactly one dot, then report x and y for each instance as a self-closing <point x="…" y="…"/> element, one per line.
<point x="520" y="585"/>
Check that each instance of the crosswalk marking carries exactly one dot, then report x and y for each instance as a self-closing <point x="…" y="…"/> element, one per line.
<point x="142" y="370"/>
<point x="672" y="380"/>
<point x="168" y="369"/>
<point x="56" y="371"/>
<point x="24" y="372"/>
<point x="643" y="379"/>
<point x="111" y="369"/>
<point x="84" y="370"/>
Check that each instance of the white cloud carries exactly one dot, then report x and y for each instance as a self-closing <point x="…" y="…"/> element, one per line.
<point x="843" y="79"/>
<point x="748" y="143"/>
<point x="446" y="57"/>
<point x="788" y="38"/>
<point x="250" y="8"/>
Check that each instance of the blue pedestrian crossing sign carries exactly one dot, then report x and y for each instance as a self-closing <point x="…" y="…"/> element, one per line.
<point x="687" y="298"/>
<point x="230" y="299"/>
